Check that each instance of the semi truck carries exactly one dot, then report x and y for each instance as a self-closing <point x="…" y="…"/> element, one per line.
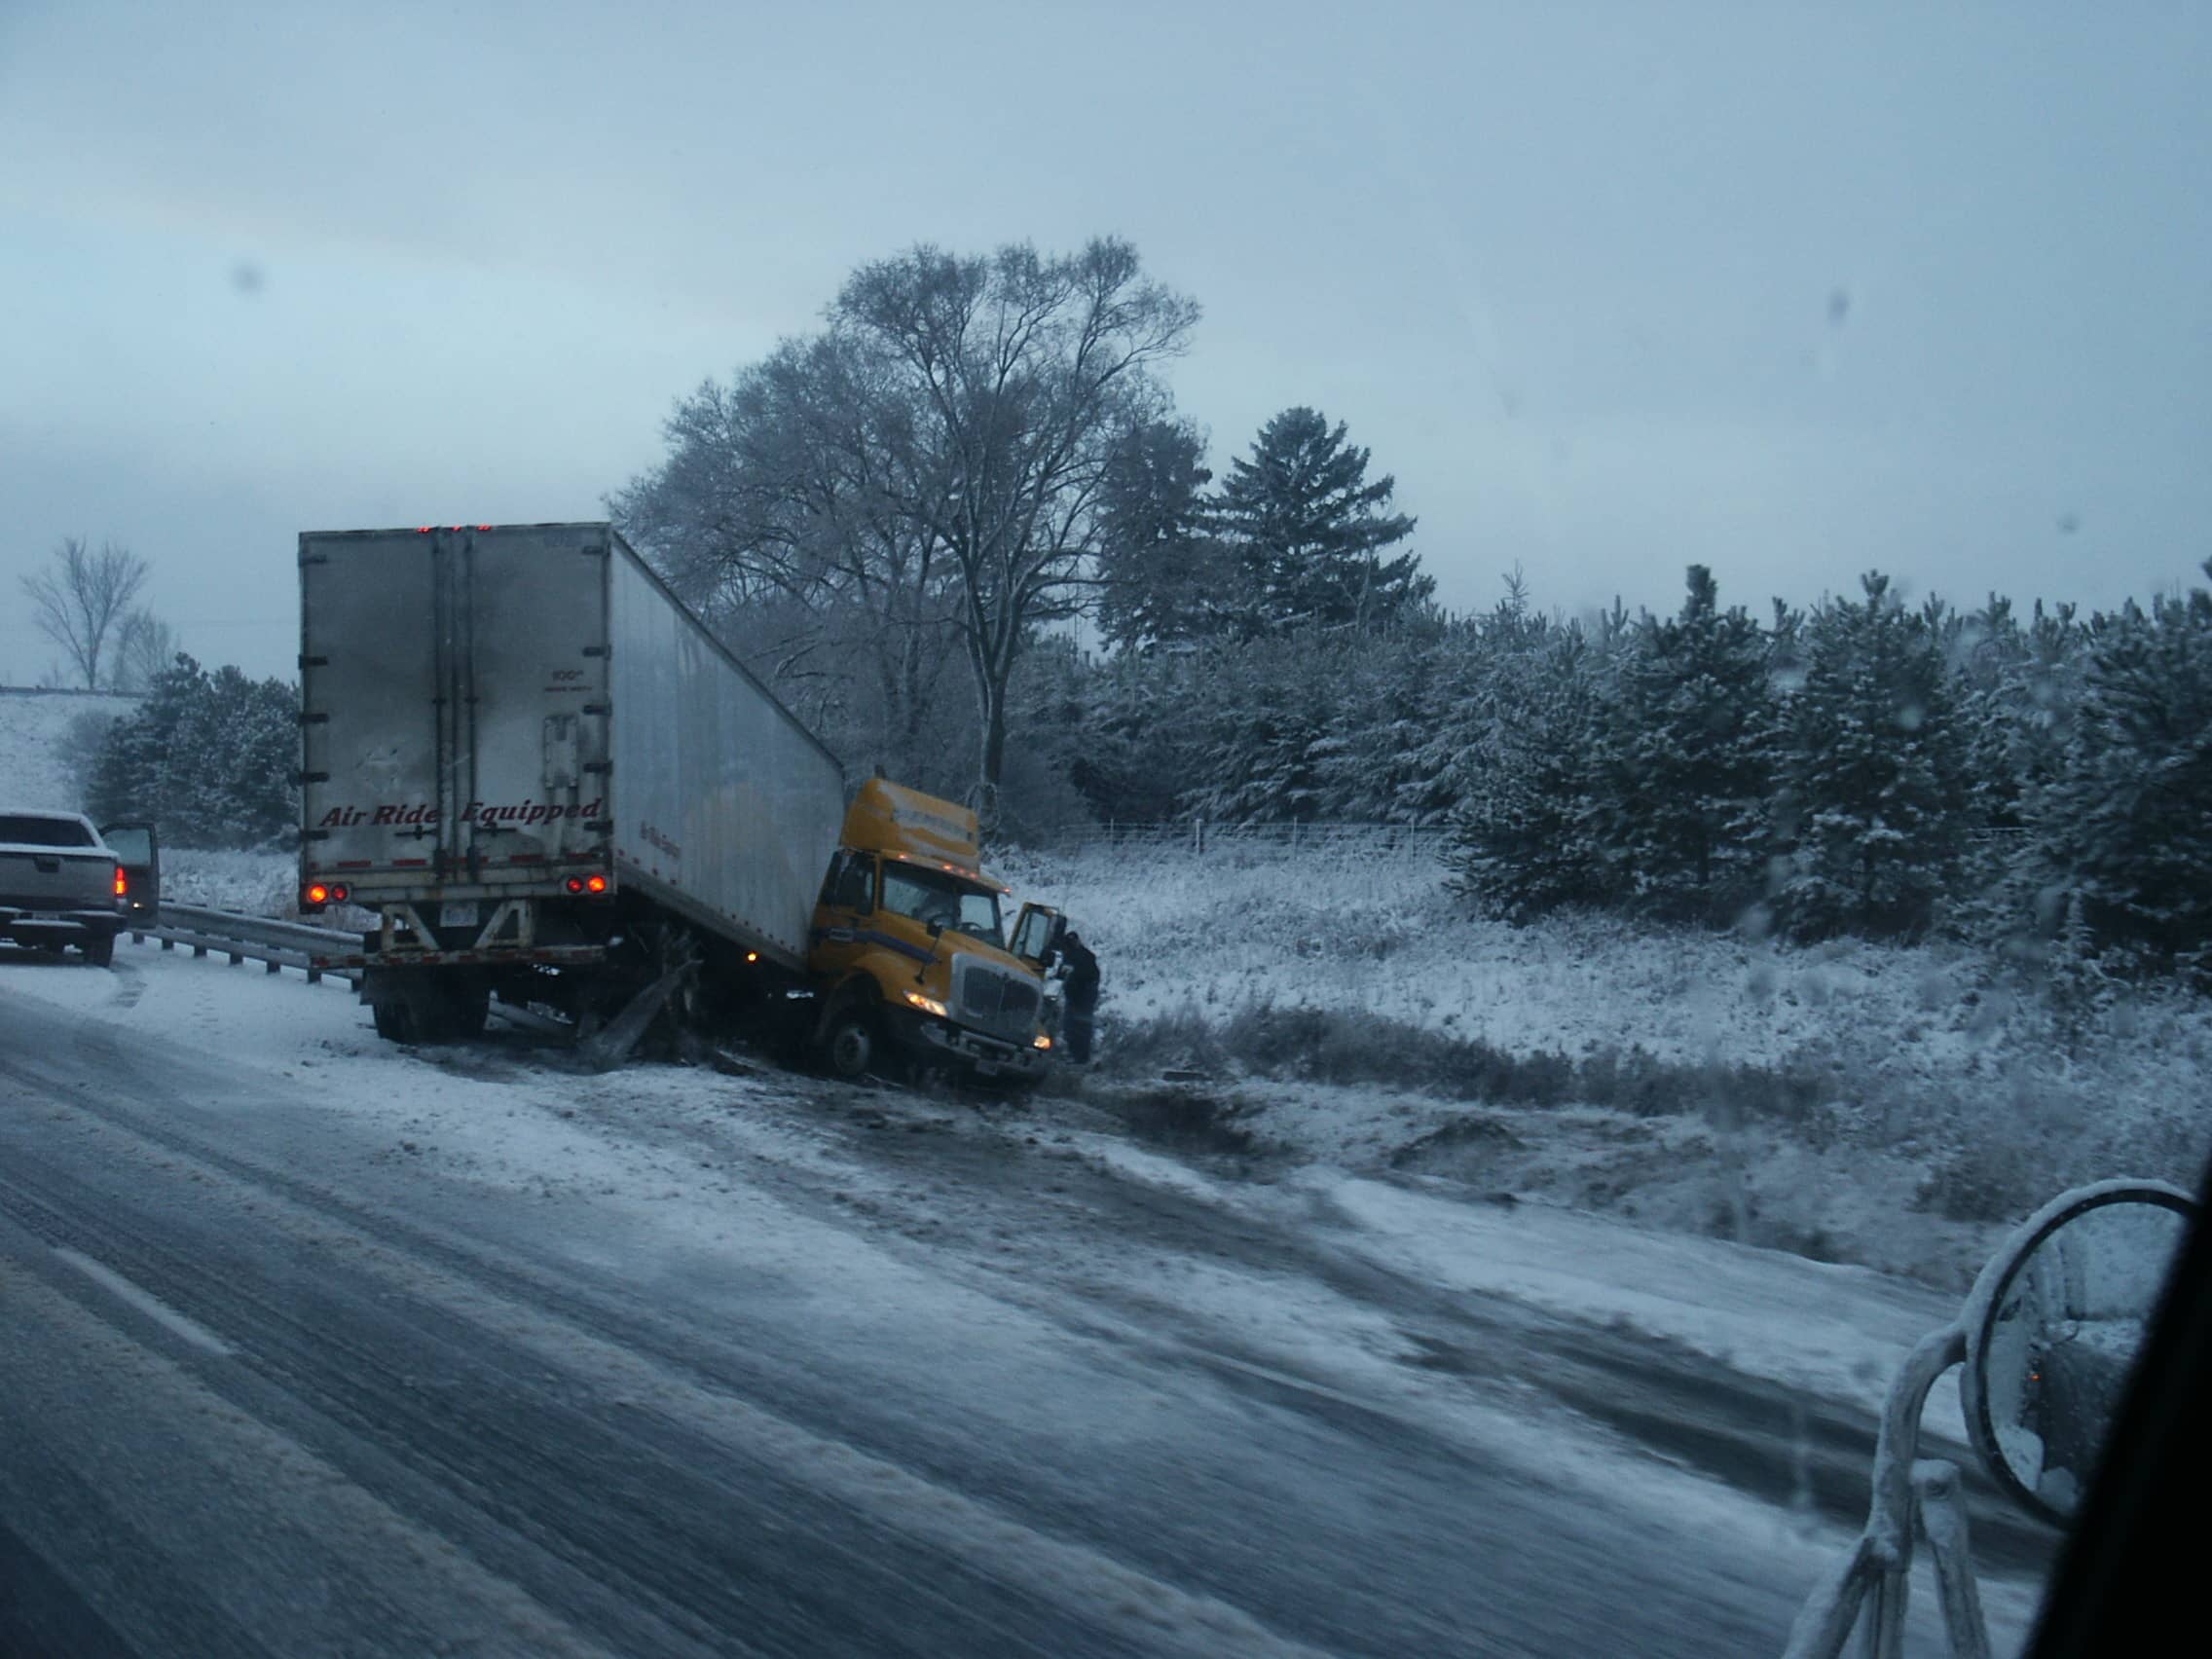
<point x="547" y="781"/>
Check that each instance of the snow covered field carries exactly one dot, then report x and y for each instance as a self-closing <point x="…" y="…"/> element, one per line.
<point x="1890" y="1106"/>
<point x="37" y="752"/>
<point x="1884" y="1105"/>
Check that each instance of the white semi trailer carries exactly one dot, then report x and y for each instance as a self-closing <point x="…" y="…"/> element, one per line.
<point x="543" y="776"/>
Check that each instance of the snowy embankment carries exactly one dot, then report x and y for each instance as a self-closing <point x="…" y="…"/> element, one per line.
<point x="1887" y="1106"/>
<point x="254" y="884"/>
<point x="1891" y="1106"/>
<point x="44" y="739"/>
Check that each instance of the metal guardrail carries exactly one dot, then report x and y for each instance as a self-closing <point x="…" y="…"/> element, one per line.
<point x="275" y="944"/>
<point x="278" y="946"/>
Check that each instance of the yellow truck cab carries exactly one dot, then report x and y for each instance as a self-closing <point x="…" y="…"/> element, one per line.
<point x="909" y="946"/>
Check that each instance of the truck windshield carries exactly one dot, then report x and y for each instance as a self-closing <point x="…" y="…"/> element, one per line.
<point x="45" y="832"/>
<point x="936" y="896"/>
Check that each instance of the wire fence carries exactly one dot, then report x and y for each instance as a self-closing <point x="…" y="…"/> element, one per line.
<point x="1200" y="835"/>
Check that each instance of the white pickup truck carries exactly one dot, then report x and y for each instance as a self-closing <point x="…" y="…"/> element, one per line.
<point x="60" y="884"/>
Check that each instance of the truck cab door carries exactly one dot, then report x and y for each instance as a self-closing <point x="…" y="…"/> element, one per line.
<point x="1037" y="932"/>
<point x="138" y="850"/>
<point x="847" y="902"/>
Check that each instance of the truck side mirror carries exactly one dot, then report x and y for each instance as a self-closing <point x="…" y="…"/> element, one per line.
<point x="2053" y="1329"/>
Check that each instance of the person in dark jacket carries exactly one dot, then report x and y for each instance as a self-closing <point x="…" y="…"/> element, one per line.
<point x="1079" y="971"/>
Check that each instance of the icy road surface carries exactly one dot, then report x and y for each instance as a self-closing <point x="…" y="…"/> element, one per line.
<point x="316" y="1346"/>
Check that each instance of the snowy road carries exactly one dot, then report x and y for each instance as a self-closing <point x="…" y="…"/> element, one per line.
<point x="315" y="1345"/>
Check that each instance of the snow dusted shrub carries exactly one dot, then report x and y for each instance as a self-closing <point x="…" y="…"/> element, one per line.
<point x="2127" y="826"/>
<point x="1873" y="807"/>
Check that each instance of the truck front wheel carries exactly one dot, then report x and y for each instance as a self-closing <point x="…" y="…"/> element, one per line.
<point x="852" y="1040"/>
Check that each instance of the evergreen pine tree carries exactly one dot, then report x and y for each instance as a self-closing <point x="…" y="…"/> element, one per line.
<point x="1307" y="533"/>
<point x="2129" y="825"/>
<point x="1526" y="839"/>
<point x="130" y="776"/>
<point x="1160" y="576"/>
<point x="1873" y="802"/>
<point x="1687" y="759"/>
<point x="1262" y="761"/>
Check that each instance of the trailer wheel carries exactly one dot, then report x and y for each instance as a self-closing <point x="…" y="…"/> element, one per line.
<point x="418" y="1007"/>
<point x="850" y="1045"/>
<point x="466" y="1006"/>
<point x="395" y="1021"/>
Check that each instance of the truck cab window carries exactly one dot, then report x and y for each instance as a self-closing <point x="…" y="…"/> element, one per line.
<point x="848" y="883"/>
<point x="928" y="896"/>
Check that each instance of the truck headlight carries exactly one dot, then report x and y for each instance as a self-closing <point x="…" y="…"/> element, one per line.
<point x="928" y="1005"/>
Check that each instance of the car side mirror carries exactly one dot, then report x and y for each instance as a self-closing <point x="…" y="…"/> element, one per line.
<point x="2053" y="1329"/>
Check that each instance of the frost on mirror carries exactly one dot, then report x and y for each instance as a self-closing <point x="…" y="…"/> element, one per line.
<point x="2063" y="1338"/>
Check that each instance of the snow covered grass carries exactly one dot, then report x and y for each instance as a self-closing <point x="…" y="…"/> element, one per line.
<point x="258" y="884"/>
<point x="1883" y="1105"/>
<point x="41" y="744"/>
<point x="1880" y="1104"/>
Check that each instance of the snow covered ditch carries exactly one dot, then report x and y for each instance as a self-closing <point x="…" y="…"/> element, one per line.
<point x="1889" y="1106"/>
<point x="1893" y="1107"/>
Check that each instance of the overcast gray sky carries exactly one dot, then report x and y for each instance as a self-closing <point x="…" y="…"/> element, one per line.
<point x="1793" y="292"/>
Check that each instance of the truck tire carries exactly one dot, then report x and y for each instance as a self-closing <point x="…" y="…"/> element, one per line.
<point x="423" y="1007"/>
<point x="851" y="1045"/>
<point x="100" y="951"/>
<point x="395" y="1021"/>
<point x="467" y="1008"/>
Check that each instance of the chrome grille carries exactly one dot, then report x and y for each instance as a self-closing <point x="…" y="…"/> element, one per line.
<point x="994" y="1001"/>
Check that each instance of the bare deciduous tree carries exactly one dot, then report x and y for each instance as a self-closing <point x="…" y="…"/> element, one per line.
<point x="776" y="515"/>
<point x="144" y="646"/>
<point x="81" y="598"/>
<point x="922" y="478"/>
<point x="1017" y="375"/>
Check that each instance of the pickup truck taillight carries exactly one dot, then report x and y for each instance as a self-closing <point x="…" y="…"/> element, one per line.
<point x="121" y="885"/>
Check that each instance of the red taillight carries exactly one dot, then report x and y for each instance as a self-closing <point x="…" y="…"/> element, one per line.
<point x="574" y="884"/>
<point x="315" y="897"/>
<point x="121" y="886"/>
<point x="595" y="884"/>
<point x="340" y="894"/>
<point x="424" y="529"/>
<point x="483" y="527"/>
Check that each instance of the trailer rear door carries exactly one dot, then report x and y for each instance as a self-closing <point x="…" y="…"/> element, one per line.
<point x="454" y="706"/>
